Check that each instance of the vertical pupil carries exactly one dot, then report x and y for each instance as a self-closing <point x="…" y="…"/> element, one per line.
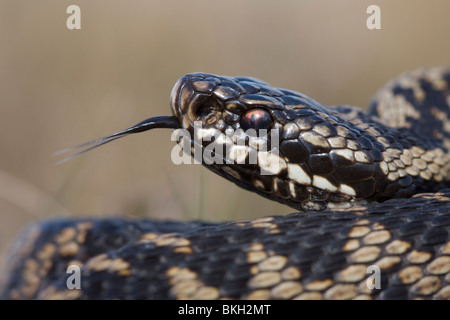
<point x="256" y="119"/>
<point x="253" y="119"/>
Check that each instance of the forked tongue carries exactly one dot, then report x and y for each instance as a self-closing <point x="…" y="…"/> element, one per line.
<point x="170" y="122"/>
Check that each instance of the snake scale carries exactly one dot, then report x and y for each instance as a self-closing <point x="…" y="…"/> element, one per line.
<point x="374" y="211"/>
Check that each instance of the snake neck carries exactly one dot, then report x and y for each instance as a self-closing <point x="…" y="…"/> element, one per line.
<point x="417" y="103"/>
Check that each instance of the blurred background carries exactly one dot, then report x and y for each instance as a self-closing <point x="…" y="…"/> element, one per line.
<point x="61" y="87"/>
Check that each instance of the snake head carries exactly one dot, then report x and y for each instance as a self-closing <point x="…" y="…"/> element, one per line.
<point x="275" y="142"/>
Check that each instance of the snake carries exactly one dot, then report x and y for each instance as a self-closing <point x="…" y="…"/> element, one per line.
<point x="370" y="192"/>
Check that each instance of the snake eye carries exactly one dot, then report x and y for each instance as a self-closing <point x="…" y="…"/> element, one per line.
<point x="256" y="119"/>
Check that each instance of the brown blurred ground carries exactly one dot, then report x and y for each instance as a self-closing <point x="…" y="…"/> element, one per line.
<point x="60" y="87"/>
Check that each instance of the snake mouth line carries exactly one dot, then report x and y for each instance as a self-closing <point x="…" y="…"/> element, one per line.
<point x="170" y="122"/>
<point x="189" y="148"/>
<point x="230" y="148"/>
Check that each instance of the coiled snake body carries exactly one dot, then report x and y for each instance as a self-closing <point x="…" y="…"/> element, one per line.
<point x="375" y="217"/>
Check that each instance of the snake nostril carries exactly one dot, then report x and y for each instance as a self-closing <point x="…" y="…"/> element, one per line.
<point x="256" y="119"/>
<point x="203" y="111"/>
